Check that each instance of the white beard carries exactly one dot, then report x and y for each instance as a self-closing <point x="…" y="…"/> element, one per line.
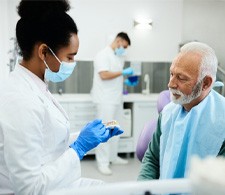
<point x="186" y="99"/>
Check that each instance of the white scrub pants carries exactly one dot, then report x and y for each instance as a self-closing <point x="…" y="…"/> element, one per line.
<point x="107" y="152"/>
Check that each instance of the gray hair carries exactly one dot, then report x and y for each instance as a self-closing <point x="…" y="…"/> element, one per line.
<point x="209" y="60"/>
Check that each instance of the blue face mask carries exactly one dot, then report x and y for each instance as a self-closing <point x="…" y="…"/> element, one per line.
<point x="65" y="70"/>
<point x="120" y="51"/>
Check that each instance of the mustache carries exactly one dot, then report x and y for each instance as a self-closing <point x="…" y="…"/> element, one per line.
<point x="175" y="91"/>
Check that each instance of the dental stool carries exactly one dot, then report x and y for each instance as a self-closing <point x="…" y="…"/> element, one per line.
<point x="150" y="127"/>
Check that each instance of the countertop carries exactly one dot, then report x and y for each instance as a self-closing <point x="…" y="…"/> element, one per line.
<point x="131" y="97"/>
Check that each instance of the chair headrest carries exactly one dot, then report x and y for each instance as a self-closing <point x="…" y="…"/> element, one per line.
<point x="163" y="100"/>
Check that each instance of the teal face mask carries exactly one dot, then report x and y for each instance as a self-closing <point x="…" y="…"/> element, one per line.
<point x="65" y="70"/>
<point x="120" y="51"/>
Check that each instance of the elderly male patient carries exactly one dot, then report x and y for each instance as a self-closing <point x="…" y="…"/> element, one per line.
<point x="193" y="123"/>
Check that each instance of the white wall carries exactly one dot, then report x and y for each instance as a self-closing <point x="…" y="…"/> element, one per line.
<point x="99" y="19"/>
<point x="204" y="21"/>
<point x="8" y="24"/>
<point x="174" y="21"/>
<point x="4" y="46"/>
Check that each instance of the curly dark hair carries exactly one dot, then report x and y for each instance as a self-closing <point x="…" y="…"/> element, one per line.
<point x="44" y="21"/>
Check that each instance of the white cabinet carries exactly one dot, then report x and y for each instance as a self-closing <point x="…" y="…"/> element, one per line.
<point x="125" y="123"/>
<point x="126" y="145"/>
<point x="80" y="113"/>
<point x="81" y="110"/>
<point x="142" y="113"/>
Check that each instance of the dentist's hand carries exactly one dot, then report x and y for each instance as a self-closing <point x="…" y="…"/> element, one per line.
<point x="91" y="136"/>
<point x="131" y="84"/>
<point x="115" y="131"/>
<point x="127" y="71"/>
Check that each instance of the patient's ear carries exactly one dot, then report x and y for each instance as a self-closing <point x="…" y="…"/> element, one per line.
<point x="207" y="82"/>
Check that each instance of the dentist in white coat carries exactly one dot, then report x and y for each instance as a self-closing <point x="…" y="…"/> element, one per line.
<point x="36" y="154"/>
<point x="107" y="95"/>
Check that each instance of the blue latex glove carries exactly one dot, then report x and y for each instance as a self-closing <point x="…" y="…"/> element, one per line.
<point x="131" y="84"/>
<point x="92" y="135"/>
<point x="115" y="131"/>
<point x="127" y="71"/>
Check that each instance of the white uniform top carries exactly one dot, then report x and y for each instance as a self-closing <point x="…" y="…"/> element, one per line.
<point x="34" y="139"/>
<point x="107" y="91"/>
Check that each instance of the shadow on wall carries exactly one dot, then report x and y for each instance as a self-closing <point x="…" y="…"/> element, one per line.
<point x="81" y="79"/>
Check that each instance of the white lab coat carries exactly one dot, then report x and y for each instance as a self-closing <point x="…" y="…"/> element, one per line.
<point x="107" y="91"/>
<point x="107" y="95"/>
<point x="34" y="139"/>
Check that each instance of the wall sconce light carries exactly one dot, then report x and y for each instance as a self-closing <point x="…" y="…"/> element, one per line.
<point x="143" y="24"/>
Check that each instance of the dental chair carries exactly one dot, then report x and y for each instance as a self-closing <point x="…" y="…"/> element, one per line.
<point x="150" y="127"/>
